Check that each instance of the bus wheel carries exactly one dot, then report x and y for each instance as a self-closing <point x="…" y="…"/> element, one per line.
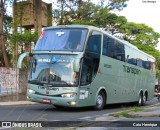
<point x="140" y="100"/>
<point x="100" y="101"/>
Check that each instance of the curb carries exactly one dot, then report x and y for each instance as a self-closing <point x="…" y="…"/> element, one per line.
<point x="136" y="114"/>
<point x="18" y="103"/>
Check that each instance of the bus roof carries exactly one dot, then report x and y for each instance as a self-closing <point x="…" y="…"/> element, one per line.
<point x="98" y="29"/>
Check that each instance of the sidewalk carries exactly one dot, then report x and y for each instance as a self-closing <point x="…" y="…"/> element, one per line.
<point x="17" y="103"/>
<point x="150" y="111"/>
<point x="15" y="100"/>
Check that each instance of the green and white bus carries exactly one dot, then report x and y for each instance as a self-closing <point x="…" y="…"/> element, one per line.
<point x="81" y="65"/>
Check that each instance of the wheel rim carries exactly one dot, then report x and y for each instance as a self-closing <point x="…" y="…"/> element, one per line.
<point x="140" y="100"/>
<point x="99" y="100"/>
<point x="144" y="99"/>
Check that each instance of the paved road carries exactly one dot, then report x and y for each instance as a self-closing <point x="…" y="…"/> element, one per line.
<point x="45" y="112"/>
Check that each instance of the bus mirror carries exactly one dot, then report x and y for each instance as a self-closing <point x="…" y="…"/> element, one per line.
<point x="20" y="59"/>
<point x="76" y="62"/>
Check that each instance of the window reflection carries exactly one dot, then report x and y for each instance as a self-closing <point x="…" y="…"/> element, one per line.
<point x="119" y="51"/>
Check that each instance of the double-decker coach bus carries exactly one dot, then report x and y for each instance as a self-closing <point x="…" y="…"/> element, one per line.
<point x="81" y="65"/>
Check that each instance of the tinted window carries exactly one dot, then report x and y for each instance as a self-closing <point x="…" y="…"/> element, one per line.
<point x="91" y="58"/>
<point x="119" y="51"/>
<point x="113" y="48"/>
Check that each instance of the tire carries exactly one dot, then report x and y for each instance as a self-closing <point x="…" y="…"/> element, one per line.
<point x="100" y="101"/>
<point x="140" y="100"/>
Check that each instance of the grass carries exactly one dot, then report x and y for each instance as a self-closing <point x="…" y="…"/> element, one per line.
<point x="126" y="113"/>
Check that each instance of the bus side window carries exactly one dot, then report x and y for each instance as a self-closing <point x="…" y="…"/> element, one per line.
<point x="94" y="43"/>
<point x="113" y="48"/>
<point x="105" y="45"/>
<point x="91" y="58"/>
<point x="120" y="52"/>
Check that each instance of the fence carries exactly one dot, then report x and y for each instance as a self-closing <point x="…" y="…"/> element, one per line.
<point x="13" y="82"/>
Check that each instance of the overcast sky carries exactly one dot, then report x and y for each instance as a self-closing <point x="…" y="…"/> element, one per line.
<point x="143" y="12"/>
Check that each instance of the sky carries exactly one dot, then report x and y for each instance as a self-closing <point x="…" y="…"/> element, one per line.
<point x="143" y="11"/>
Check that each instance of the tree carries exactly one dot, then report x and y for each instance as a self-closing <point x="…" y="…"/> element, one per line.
<point x="110" y="21"/>
<point x="22" y="42"/>
<point x="114" y="4"/>
<point x="139" y="33"/>
<point x="84" y="10"/>
<point x="144" y="37"/>
<point x="2" y="36"/>
<point x="83" y="13"/>
<point x="100" y="17"/>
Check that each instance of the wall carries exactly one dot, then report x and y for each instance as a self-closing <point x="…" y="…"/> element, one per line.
<point x="12" y="81"/>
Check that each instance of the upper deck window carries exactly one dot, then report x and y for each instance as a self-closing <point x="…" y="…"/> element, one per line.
<point x="62" y="40"/>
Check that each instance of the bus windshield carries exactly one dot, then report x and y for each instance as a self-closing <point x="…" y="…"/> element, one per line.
<point x="54" y="70"/>
<point x="61" y="40"/>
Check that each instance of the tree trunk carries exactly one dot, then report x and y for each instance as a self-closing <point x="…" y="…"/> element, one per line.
<point x="14" y="50"/>
<point x="62" y="12"/>
<point x="2" y="45"/>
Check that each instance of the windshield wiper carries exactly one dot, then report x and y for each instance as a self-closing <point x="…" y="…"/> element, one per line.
<point x="60" y="83"/>
<point x="66" y="83"/>
<point x="35" y="82"/>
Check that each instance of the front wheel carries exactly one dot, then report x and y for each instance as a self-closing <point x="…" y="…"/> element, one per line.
<point x="100" y="101"/>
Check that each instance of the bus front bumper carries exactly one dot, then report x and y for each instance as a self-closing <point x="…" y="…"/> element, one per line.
<point x="59" y="101"/>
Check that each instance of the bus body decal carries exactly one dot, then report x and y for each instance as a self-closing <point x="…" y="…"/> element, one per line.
<point x="131" y="70"/>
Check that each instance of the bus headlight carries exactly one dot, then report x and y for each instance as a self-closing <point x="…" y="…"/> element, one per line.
<point x="72" y="103"/>
<point x="68" y="95"/>
<point x="30" y="91"/>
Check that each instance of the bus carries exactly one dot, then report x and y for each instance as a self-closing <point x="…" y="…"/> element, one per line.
<point x="81" y="65"/>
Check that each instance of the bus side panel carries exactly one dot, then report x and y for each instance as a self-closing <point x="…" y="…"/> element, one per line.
<point x="123" y="81"/>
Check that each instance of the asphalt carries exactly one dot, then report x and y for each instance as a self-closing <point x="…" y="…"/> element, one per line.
<point x="146" y="111"/>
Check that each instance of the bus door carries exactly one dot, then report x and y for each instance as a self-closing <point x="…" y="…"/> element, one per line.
<point x="89" y="69"/>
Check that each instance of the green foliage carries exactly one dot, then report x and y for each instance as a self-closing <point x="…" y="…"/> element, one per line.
<point x="19" y="43"/>
<point x="84" y="22"/>
<point x="139" y="33"/>
<point x="25" y="37"/>
<point x="126" y="113"/>
<point x="70" y="10"/>
<point x="114" y="22"/>
<point x="84" y="13"/>
<point x="100" y="17"/>
<point x="117" y="4"/>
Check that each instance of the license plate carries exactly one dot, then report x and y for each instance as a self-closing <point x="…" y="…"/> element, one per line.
<point x="46" y="100"/>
